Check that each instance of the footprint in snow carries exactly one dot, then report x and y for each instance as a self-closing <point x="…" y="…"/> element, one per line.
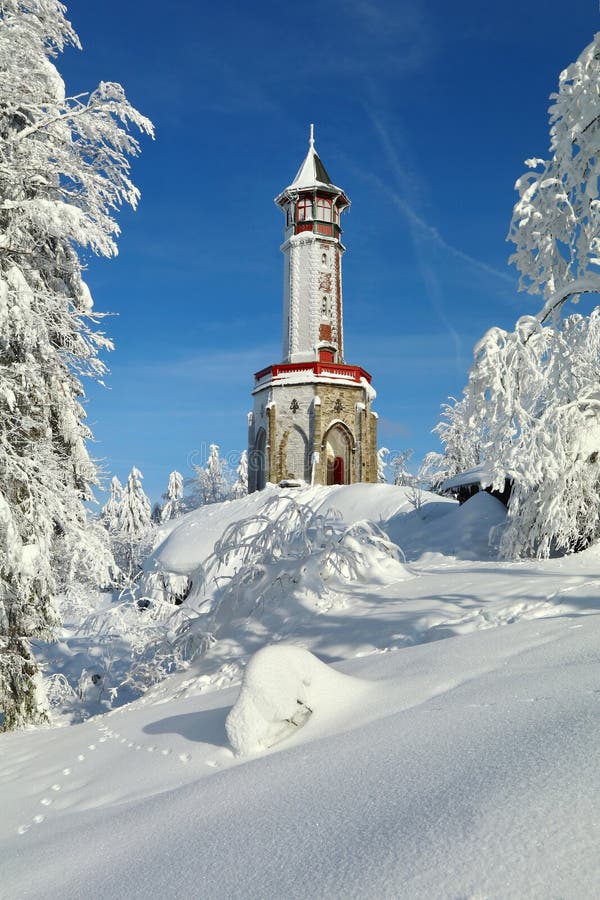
<point x="38" y="819"/>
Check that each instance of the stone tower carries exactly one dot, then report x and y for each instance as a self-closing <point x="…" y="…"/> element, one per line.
<point x="312" y="417"/>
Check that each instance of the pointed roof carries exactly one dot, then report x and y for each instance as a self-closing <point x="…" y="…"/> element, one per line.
<point x="311" y="174"/>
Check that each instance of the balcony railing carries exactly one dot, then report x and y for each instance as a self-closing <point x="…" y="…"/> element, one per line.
<point x="355" y="373"/>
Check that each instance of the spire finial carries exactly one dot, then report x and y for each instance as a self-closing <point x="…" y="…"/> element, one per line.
<point x="311" y="142"/>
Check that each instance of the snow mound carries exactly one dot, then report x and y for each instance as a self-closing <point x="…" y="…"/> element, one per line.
<point x="463" y="532"/>
<point x="282" y="687"/>
<point x="187" y="542"/>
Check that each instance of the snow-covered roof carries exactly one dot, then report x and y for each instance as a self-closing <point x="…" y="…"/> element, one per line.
<point x="477" y="475"/>
<point x="312" y="173"/>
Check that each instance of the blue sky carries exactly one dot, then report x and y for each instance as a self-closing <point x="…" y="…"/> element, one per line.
<point x="424" y="111"/>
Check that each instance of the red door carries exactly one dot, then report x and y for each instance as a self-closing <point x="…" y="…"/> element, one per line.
<point x="338" y="470"/>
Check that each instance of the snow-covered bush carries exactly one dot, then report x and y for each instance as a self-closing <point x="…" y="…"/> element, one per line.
<point x="284" y="554"/>
<point x="64" y="172"/>
<point x="281" y="688"/>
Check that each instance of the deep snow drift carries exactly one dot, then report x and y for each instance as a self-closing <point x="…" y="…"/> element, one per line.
<point x="445" y="745"/>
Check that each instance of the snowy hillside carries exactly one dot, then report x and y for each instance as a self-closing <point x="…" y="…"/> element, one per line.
<point x="433" y="753"/>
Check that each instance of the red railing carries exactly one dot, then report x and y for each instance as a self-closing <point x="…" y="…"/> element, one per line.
<point x="317" y="368"/>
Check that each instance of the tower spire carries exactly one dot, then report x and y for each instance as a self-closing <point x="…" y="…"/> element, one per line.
<point x="311" y="141"/>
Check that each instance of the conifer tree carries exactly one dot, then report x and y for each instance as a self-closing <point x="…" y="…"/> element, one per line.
<point x="110" y="510"/>
<point x="64" y="170"/>
<point x="240" y="487"/>
<point x="133" y="524"/>
<point x="212" y="480"/>
<point x="174" y="498"/>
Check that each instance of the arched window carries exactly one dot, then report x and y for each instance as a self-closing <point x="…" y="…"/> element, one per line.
<point x="257" y="463"/>
<point x="324" y="209"/>
<point x="297" y="458"/>
<point x="304" y="209"/>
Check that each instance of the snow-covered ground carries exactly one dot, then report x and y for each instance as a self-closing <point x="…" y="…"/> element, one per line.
<point x="433" y="753"/>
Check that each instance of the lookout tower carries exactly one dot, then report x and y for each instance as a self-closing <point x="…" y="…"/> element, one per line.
<point x="312" y="417"/>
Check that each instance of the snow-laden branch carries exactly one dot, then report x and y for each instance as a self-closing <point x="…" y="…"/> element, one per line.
<point x="588" y="285"/>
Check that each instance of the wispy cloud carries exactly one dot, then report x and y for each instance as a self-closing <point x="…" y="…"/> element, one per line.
<point x="233" y="367"/>
<point x="425" y="237"/>
<point x="422" y="228"/>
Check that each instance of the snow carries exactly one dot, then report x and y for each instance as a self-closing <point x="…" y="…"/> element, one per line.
<point x="477" y="475"/>
<point x="445" y="743"/>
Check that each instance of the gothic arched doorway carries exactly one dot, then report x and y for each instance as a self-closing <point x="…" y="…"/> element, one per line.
<point x="337" y="446"/>
<point x="259" y="460"/>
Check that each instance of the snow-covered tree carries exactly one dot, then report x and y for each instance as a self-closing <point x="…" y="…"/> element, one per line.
<point x="133" y="524"/>
<point x="382" y="463"/>
<point x="461" y="432"/>
<point x="211" y="481"/>
<point x="400" y="473"/>
<point x="556" y="222"/>
<point x="64" y="170"/>
<point x="540" y="412"/>
<point x="240" y="486"/>
<point x="110" y="511"/>
<point x="174" y="504"/>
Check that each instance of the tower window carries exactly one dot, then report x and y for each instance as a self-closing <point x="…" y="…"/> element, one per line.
<point x="304" y="208"/>
<point x="324" y="258"/>
<point x="324" y="209"/>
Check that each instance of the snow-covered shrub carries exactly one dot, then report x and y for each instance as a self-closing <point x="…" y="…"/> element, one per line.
<point x="166" y="587"/>
<point x="281" y="688"/>
<point x="288" y="549"/>
<point x="286" y="553"/>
